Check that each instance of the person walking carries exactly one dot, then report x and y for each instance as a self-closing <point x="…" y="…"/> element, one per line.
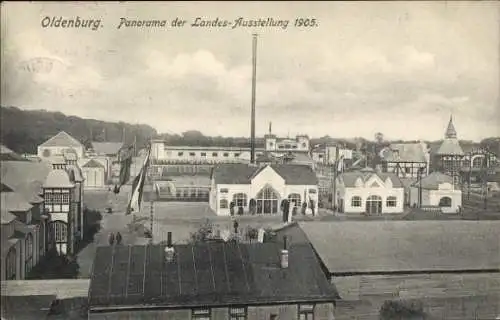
<point x="235" y="226"/>
<point x="111" y="239"/>
<point x="118" y="238"/>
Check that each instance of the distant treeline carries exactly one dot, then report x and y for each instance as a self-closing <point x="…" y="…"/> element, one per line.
<point x="23" y="130"/>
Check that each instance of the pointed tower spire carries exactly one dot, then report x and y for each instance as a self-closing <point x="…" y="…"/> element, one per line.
<point x="270" y="124"/>
<point x="451" y="133"/>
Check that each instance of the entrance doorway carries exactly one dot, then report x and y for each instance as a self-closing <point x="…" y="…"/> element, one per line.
<point x="374" y="205"/>
<point x="267" y="201"/>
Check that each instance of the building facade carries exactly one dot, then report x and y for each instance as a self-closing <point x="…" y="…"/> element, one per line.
<point x="406" y="160"/>
<point x="25" y="231"/>
<point x="240" y="189"/>
<point x="448" y="158"/>
<point x="59" y="144"/>
<point x="94" y="174"/>
<point x="60" y="203"/>
<point x="436" y="190"/>
<point x="370" y="192"/>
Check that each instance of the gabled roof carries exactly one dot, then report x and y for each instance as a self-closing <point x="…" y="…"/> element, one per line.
<point x="26" y="178"/>
<point x="433" y="180"/>
<point x="92" y="163"/>
<point x="14" y="202"/>
<point x="107" y="148"/>
<point x="296" y="174"/>
<point x="7" y="216"/>
<point x="349" y="178"/>
<point x="406" y="246"/>
<point x="234" y="274"/>
<point x="243" y="173"/>
<point x="58" y="179"/>
<point x="450" y="147"/>
<point x="4" y="149"/>
<point x="75" y="173"/>
<point x="62" y="139"/>
<point x="403" y="152"/>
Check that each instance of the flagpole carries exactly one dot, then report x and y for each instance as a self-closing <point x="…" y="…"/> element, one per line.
<point x="334" y="194"/>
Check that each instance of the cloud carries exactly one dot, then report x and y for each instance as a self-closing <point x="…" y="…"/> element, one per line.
<point x="351" y="76"/>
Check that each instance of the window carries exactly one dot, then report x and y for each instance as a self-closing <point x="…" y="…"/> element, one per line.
<point x="240" y="199"/>
<point x="180" y="154"/>
<point x="445" y="202"/>
<point x="57" y="198"/>
<point x="295" y="199"/>
<point x="224" y="190"/>
<point x="391" y="201"/>
<point x="267" y="200"/>
<point x="238" y="313"/>
<point x="10" y="264"/>
<point x="407" y="170"/>
<point x="65" y="197"/>
<point x="312" y="191"/>
<point x="226" y="154"/>
<point x="201" y="314"/>
<point x="223" y="204"/>
<point x="192" y="154"/>
<point x="28" y="245"/>
<point x="306" y="312"/>
<point x="60" y="231"/>
<point x="320" y="156"/>
<point x="356" y="201"/>
<point x="477" y="162"/>
<point x="236" y="154"/>
<point x="203" y="154"/>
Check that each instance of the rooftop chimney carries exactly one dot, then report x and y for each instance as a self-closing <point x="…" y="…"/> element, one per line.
<point x="169" y="250"/>
<point x="284" y="254"/>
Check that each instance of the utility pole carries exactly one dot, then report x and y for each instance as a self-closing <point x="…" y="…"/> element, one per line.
<point x="254" y="83"/>
<point x="335" y="168"/>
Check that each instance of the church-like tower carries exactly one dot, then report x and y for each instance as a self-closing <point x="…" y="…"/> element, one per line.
<point x="450" y="154"/>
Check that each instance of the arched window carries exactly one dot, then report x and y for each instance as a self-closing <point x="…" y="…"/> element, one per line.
<point x="356" y="201"/>
<point x="295" y="199"/>
<point x="60" y="231"/>
<point x="374" y="204"/>
<point x="445" y="202"/>
<point x="391" y="201"/>
<point x="10" y="264"/>
<point x="240" y="199"/>
<point x="477" y="161"/>
<point x="267" y="200"/>
<point x="28" y="245"/>
<point x="223" y="204"/>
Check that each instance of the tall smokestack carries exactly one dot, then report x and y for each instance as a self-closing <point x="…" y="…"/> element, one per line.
<point x="254" y="80"/>
<point x="284" y="254"/>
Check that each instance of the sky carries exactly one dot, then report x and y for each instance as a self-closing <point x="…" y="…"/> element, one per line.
<point x="399" y="68"/>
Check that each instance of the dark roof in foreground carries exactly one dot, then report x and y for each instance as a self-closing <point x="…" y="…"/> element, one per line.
<point x="31" y="299"/>
<point x="208" y="274"/>
<point x="385" y="247"/>
<point x="293" y="174"/>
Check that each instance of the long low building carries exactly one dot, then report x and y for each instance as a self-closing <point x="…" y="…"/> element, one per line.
<point x="451" y="267"/>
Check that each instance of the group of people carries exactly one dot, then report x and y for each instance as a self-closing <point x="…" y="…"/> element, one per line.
<point x="112" y="238"/>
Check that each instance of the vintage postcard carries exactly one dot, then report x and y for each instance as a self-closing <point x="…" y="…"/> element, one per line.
<point x="250" y="160"/>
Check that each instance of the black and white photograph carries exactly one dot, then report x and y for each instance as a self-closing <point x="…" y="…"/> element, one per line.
<point x="250" y="160"/>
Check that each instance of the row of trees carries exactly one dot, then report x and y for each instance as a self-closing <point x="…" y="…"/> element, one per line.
<point x="23" y="130"/>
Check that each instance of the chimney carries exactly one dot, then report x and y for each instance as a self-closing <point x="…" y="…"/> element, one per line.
<point x="284" y="254"/>
<point x="169" y="250"/>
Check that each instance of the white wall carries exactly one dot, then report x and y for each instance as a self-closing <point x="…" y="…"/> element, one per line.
<point x="59" y="151"/>
<point x="266" y="176"/>
<point x="432" y="197"/>
<point x="383" y="189"/>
